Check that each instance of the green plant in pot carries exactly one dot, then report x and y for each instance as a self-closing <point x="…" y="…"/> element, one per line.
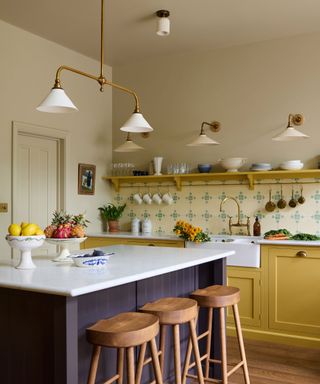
<point x="111" y="214"/>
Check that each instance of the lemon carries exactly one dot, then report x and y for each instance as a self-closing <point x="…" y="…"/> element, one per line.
<point x="14" y="229"/>
<point x="23" y="224"/>
<point x="29" y="230"/>
<point x="39" y="231"/>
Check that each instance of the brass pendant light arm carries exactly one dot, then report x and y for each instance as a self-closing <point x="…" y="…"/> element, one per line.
<point x="114" y="85"/>
<point x="57" y="83"/>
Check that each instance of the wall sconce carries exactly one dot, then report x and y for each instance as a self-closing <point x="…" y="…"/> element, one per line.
<point x="128" y="146"/>
<point x="58" y="102"/>
<point x="290" y="133"/>
<point x="163" y="25"/>
<point x="203" y="139"/>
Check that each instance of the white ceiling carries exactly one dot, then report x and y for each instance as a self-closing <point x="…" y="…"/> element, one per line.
<point x="196" y="25"/>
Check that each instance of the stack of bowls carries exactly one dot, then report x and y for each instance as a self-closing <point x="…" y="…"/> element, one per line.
<point x="291" y="165"/>
<point x="261" y="167"/>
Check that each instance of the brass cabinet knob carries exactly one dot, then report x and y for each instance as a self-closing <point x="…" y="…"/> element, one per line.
<point x="301" y="254"/>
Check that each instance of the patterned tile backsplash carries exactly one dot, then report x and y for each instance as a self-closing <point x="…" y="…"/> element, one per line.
<point x="200" y="205"/>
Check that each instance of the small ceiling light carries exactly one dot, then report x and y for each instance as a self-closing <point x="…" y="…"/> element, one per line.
<point x="203" y="139"/>
<point x="163" y="25"/>
<point x="58" y="102"/>
<point x="290" y="133"/>
<point x="128" y="146"/>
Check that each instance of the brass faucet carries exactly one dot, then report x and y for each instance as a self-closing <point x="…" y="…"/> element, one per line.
<point x="238" y="223"/>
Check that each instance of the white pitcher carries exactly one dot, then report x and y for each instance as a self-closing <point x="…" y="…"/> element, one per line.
<point x="146" y="226"/>
<point x="157" y="162"/>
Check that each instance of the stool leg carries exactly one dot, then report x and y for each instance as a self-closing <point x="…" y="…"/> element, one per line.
<point x="196" y="352"/>
<point x="120" y="357"/>
<point x="208" y="349"/>
<point x="240" y="341"/>
<point x="177" y="357"/>
<point x="223" y="346"/>
<point x="162" y="346"/>
<point x="155" y="361"/>
<point x="94" y="364"/>
<point x="130" y="365"/>
<point x="140" y="362"/>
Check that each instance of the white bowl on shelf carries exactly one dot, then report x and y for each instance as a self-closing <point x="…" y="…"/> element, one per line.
<point x="232" y="164"/>
<point x="25" y="244"/>
<point x="291" y="166"/>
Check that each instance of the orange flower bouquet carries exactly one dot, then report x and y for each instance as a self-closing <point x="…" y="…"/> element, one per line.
<point x="190" y="233"/>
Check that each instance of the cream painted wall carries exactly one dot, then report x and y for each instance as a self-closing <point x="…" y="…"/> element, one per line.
<point x="250" y="90"/>
<point x="27" y="66"/>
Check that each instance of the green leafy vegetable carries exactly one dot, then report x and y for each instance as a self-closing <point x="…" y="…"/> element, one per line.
<point x="304" y="237"/>
<point x="282" y="231"/>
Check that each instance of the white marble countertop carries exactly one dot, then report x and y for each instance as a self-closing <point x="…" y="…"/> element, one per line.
<point x="289" y="242"/>
<point x="133" y="235"/>
<point x="128" y="264"/>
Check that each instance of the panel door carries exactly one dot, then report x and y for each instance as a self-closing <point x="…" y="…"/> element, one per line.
<point x="294" y="284"/>
<point x="36" y="194"/>
<point x="248" y="281"/>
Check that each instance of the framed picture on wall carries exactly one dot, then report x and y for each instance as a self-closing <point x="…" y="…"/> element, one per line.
<point x="86" y="179"/>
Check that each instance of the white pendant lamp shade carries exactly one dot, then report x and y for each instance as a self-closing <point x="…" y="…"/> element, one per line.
<point x="57" y="102"/>
<point x="202" y="139"/>
<point x="290" y="134"/>
<point x="136" y="124"/>
<point x="163" y="26"/>
<point x="128" y="146"/>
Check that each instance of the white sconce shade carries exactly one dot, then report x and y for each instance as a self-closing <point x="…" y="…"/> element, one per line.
<point x="136" y="124"/>
<point x="128" y="146"/>
<point x="290" y="134"/>
<point x="163" y="24"/>
<point x="202" y="139"/>
<point x="57" y="102"/>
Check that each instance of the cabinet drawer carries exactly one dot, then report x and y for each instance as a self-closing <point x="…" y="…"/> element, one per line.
<point x="157" y="243"/>
<point x="95" y="242"/>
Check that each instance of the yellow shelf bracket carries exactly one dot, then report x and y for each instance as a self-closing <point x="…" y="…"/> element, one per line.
<point x="116" y="184"/>
<point x="251" y="181"/>
<point x="177" y="180"/>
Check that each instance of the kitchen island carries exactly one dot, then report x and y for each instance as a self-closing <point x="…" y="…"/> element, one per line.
<point x="45" y="311"/>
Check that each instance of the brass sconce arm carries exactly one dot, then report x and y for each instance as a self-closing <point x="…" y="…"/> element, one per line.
<point x="100" y="79"/>
<point x="214" y="126"/>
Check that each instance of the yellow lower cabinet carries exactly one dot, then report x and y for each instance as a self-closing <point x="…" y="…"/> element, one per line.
<point x="294" y="290"/>
<point x="248" y="280"/>
<point x="94" y="242"/>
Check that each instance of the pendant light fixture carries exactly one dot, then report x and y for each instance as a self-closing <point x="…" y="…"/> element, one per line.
<point x="58" y="101"/>
<point x="290" y="133"/>
<point x="163" y="25"/>
<point x="128" y="146"/>
<point x="203" y="139"/>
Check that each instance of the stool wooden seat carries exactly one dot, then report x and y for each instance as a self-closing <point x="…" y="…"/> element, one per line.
<point x="174" y="311"/>
<point x="218" y="297"/>
<point x="124" y="332"/>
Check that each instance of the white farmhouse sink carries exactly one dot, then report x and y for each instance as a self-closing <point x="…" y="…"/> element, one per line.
<point x="247" y="251"/>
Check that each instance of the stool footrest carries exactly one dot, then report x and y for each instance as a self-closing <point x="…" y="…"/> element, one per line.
<point x="204" y="334"/>
<point x="112" y="379"/>
<point x="208" y="379"/>
<point x="236" y="367"/>
<point x="149" y="359"/>
<point x="193" y="364"/>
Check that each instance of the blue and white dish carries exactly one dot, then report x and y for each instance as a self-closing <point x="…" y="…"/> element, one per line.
<point x="98" y="259"/>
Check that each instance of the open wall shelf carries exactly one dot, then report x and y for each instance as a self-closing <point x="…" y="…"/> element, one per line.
<point x="249" y="178"/>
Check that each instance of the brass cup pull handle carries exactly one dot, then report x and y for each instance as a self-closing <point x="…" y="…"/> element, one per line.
<point x="301" y="254"/>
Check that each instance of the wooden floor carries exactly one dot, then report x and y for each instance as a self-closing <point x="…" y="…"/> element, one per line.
<point x="276" y="364"/>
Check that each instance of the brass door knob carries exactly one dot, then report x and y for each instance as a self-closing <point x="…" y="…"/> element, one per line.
<point x="301" y="254"/>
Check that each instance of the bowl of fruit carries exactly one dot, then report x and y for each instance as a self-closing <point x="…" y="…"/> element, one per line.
<point x="25" y="237"/>
<point x="96" y="259"/>
<point x="66" y="230"/>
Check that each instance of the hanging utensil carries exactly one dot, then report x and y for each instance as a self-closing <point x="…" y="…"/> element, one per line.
<point x="301" y="199"/>
<point x="293" y="201"/>
<point x="281" y="203"/>
<point x="270" y="206"/>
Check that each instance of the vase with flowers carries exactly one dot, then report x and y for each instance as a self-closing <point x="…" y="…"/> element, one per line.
<point x="189" y="232"/>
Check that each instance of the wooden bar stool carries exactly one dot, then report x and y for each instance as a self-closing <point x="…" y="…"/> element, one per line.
<point x="124" y="332"/>
<point x="220" y="297"/>
<point x="175" y="311"/>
